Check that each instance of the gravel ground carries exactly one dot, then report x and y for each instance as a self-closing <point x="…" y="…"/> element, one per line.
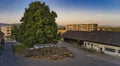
<point x="9" y="59"/>
<point x="96" y="55"/>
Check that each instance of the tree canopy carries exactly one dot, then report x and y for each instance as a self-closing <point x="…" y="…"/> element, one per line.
<point x="38" y="25"/>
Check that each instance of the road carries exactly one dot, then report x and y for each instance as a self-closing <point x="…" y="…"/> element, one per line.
<point x="9" y="59"/>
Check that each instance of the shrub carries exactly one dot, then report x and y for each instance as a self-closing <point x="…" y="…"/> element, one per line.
<point x="19" y="48"/>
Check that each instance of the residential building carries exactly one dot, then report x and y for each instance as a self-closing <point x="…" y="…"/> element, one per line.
<point x="7" y="31"/>
<point x="101" y="41"/>
<point x="61" y="31"/>
<point x="82" y="27"/>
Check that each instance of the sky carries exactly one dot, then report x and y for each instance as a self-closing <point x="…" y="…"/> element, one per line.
<point x="103" y="12"/>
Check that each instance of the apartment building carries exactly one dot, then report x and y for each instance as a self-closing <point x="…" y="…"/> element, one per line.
<point x="82" y="27"/>
<point x="7" y="31"/>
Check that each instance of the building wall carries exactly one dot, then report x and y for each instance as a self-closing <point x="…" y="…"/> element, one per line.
<point x="103" y="48"/>
<point x="61" y="31"/>
<point x="82" y="27"/>
<point x="6" y="30"/>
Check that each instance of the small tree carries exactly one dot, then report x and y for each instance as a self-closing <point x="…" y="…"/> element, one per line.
<point x="38" y="25"/>
<point x="14" y="32"/>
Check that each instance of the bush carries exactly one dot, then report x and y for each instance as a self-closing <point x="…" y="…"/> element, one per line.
<point x="18" y="49"/>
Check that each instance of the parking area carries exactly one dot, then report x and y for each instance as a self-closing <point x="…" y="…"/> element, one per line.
<point x="82" y="58"/>
<point x="95" y="55"/>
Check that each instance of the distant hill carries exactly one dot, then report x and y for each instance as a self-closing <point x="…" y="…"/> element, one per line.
<point x="15" y="24"/>
<point x="5" y="24"/>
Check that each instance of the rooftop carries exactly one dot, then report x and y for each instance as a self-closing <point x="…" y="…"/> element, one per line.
<point x="104" y="37"/>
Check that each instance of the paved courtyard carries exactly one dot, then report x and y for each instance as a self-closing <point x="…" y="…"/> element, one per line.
<point x="81" y="59"/>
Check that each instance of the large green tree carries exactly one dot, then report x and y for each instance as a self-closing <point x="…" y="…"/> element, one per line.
<point x="38" y="25"/>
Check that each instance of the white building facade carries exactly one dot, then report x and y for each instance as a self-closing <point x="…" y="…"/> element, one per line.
<point x="107" y="49"/>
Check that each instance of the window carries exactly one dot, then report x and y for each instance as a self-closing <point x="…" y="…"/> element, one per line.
<point x="91" y="44"/>
<point x="88" y="43"/>
<point x="8" y="30"/>
<point x="8" y="33"/>
<point x="118" y="51"/>
<point x="110" y="49"/>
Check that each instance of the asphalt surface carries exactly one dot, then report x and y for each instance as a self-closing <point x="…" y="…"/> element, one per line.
<point x="9" y="59"/>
